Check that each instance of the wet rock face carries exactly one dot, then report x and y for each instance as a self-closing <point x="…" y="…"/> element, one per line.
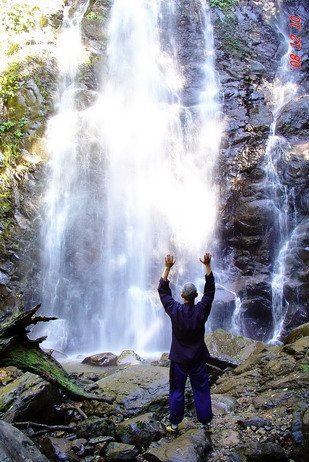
<point x="248" y="52"/>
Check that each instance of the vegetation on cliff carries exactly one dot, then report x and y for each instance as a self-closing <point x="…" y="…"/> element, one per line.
<point x="25" y="99"/>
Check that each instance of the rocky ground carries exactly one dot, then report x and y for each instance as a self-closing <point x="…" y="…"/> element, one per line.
<point x="260" y="410"/>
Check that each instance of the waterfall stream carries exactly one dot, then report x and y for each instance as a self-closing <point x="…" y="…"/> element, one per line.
<point x="284" y="90"/>
<point x="130" y="177"/>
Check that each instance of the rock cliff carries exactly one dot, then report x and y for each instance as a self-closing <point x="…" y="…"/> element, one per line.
<point x="249" y="42"/>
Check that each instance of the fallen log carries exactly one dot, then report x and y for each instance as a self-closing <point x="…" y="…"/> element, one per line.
<point x="16" y="349"/>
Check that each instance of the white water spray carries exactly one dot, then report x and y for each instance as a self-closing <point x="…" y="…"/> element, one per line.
<point x="284" y="90"/>
<point x="112" y="215"/>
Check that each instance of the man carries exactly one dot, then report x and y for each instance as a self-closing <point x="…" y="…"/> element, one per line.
<point x="188" y="351"/>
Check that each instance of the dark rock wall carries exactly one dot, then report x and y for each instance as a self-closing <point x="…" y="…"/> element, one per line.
<point x="249" y="48"/>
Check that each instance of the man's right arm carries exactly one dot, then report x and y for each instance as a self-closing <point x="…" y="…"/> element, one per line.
<point x="166" y="298"/>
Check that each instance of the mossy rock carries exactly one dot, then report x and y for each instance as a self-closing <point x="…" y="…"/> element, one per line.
<point x="297" y="333"/>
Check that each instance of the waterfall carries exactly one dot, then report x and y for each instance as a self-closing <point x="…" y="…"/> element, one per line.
<point x="131" y="178"/>
<point x="283" y="91"/>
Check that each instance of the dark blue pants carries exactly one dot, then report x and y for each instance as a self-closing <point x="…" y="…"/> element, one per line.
<point x="198" y="376"/>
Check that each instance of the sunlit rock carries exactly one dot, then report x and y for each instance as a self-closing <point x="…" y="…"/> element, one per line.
<point x="297" y="333"/>
<point x="129" y="357"/>
<point x="136" y="388"/>
<point x="101" y="359"/>
<point x="192" y="446"/>
<point x="224" y="345"/>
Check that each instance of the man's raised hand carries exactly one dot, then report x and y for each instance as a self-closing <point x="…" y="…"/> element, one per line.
<point x="206" y="259"/>
<point x="169" y="261"/>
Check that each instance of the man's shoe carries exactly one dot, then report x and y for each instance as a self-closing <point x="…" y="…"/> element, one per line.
<point x="171" y="430"/>
<point x="206" y="427"/>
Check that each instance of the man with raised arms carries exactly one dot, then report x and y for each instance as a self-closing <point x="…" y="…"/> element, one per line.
<point x="188" y="353"/>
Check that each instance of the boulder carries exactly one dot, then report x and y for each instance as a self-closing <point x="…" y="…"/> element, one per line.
<point x="297" y="333"/>
<point x="120" y="451"/>
<point x="229" y="347"/>
<point x="17" y="447"/>
<point x="136" y="387"/>
<point x="300" y="347"/>
<point x="28" y="398"/>
<point x="59" y="449"/>
<point x="95" y="426"/>
<point x="292" y="121"/>
<point x="265" y="452"/>
<point x="129" y="357"/>
<point x="140" y="431"/>
<point x="192" y="446"/>
<point x="101" y="359"/>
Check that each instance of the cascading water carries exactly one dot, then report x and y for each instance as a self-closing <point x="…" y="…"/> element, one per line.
<point x="284" y="90"/>
<point x="132" y="180"/>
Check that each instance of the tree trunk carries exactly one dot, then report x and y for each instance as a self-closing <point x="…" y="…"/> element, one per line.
<point x="16" y="349"/>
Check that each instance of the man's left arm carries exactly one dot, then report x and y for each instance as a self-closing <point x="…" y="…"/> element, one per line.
<point x="209" y="287"/>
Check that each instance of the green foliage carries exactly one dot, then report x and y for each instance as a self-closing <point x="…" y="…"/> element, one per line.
<point x="94" y="16"/>
<point x="9" y="80"/>
<point x="305" y="367"/>
<point x="223" y="4"/>
<point x="5" y="203"/>
<point x="232" y="42"/>
<point x="11" y="132"/>
<point x="17" y="16"/>
<point x="12" y="49"/>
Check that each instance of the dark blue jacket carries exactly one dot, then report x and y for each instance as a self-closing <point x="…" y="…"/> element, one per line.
<point x="188" y="323"/>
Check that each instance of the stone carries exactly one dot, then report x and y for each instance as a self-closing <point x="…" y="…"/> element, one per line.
<point x="237" y="384"/>
<point x="256" y="421"/>
<point x="4" y="279"/>
<point x="28" y="398"/>
<point x="128" y="357"/>
<point x="59" y="449"/>
<point x="15" y="446"/>
<point x="266" y="452"/>
<point x="140" y="431"/>
<point x="297" y="333"/>
<point x="222" y="404"/>
<point x="85" y="98"/>
<point x="120" y="451"/>
<point x="300" y="346"/>
<point x="101" y="359"/>
<point x="164" y="360"/>
<point x="136" y="387"/>
<point x="95" y="426"/>
<point x="229" y="347"/>
<point x="292" y="121"/>
<point x="191" y="446"/>
<point x="305" y="420"/>
<point x="8" y="374"/>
